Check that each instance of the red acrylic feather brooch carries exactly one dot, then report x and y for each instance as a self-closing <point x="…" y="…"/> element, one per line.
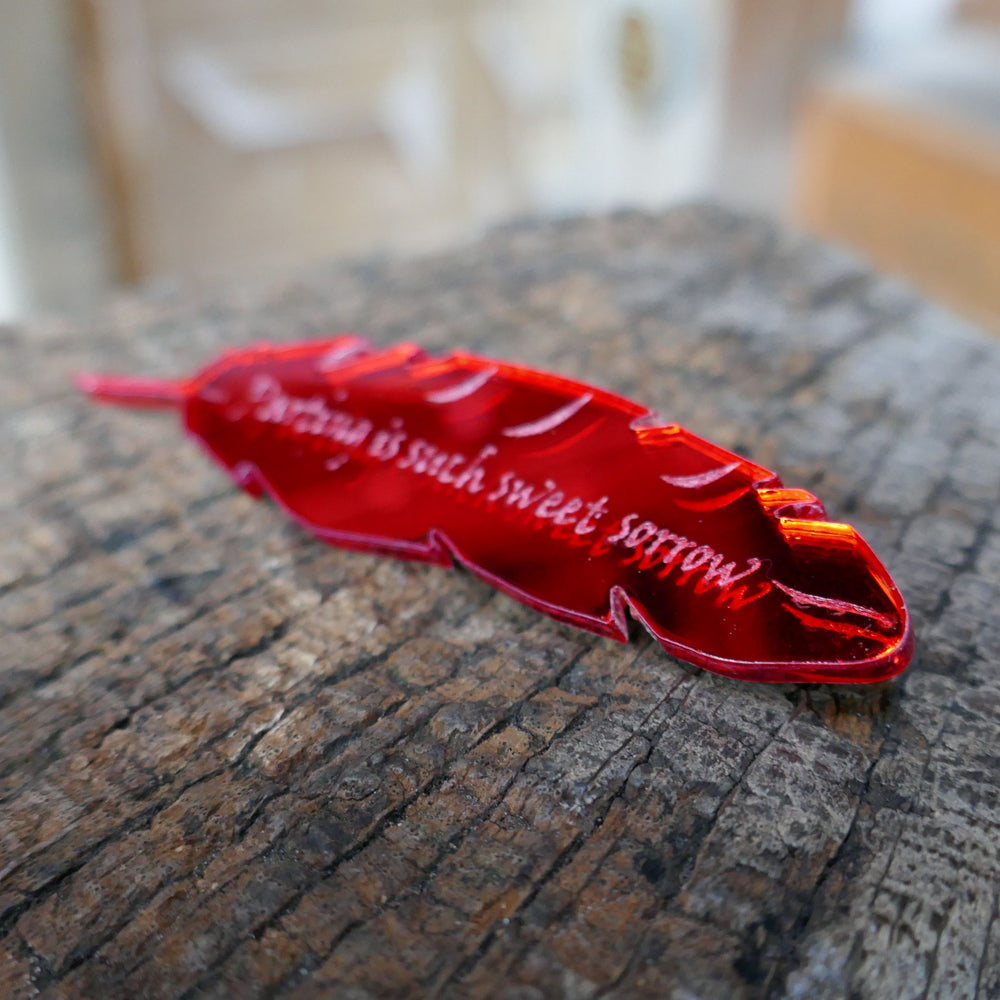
<point x="573" y="500"/>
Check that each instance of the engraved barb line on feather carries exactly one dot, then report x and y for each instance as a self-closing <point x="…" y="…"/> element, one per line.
<point x="572" y="440"/>
<point x="551" y="422"/>
<point x="453" y="393"/>
<point x="338" y="356"/>
<point x="701" y="479"/>
<point x="838" y="607"/>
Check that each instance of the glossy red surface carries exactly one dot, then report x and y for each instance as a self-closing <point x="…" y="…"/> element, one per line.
<point x="571" y="499"/>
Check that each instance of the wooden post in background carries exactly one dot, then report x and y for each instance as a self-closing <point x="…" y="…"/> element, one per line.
<point x="235" y="762"/>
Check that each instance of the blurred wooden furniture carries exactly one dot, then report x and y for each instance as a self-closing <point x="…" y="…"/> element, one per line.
<point x="904" y="165"/>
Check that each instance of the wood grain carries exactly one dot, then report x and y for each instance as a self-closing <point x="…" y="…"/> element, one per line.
<point x="237" y="763"/>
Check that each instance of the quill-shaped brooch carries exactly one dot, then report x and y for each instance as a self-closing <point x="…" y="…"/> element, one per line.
<point x="573" y="500"/>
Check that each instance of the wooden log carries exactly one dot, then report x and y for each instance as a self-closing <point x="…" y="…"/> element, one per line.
<point x="237" y="763"/>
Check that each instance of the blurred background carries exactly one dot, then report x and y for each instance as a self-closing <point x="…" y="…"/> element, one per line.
<point x="145" y="141"/>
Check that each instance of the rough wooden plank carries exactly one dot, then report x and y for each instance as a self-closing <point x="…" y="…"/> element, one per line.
<point x="234" y="762"/>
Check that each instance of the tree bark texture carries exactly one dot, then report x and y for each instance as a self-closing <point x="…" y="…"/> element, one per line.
<point x="235" y="762"/>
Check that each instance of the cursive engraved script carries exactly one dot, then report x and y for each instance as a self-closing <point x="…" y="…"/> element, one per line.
<point x="683" y="560"/>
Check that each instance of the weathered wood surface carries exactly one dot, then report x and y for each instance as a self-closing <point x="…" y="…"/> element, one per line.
<point x="237" y="763"/>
